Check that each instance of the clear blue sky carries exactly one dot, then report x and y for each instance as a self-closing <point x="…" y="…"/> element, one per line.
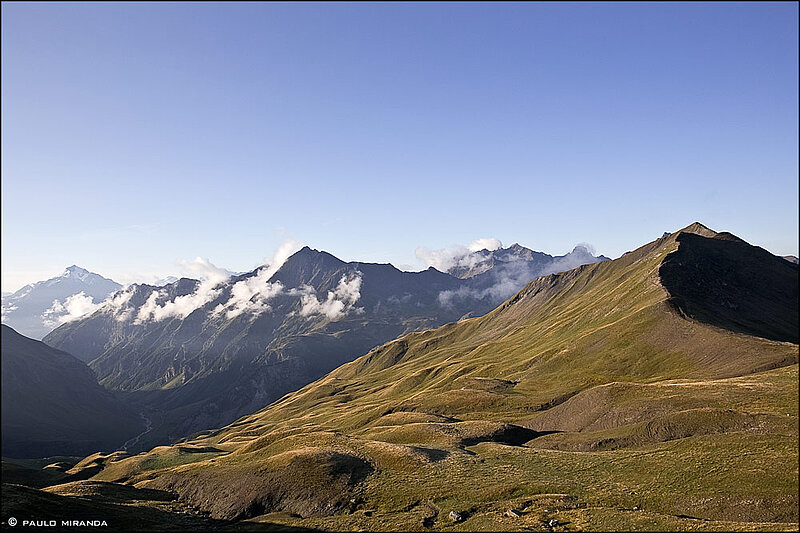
<point x="137" y="134"/>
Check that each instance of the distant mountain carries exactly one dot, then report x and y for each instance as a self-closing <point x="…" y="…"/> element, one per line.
<point x="201" y="353"/>
<point x="53" y="405"/>
<point x="497" y="275"/>
<point x="518" y="259"/>
<point x="654" y="387"/>
<point x="791" y="259"/>
<point x="37" y="309"/>
<point x="165" y="281"/>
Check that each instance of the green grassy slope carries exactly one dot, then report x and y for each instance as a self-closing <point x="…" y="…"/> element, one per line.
<point x="587" y="399"/>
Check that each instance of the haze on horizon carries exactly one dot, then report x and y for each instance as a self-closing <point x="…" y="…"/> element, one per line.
<point x="135" y="136"/>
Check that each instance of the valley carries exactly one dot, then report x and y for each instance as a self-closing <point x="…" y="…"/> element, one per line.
<point x="199" y="354"/>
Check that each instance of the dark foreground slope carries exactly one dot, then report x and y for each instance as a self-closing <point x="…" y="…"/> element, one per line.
<point x="586" y="399"/>
<point x="53" y="405"/>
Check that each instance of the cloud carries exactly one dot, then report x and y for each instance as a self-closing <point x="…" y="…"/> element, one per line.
<point x="182" y="306"/>
<point x="498" y="284"/>
<point x="250" y="295"/>
<point x="485" y="244"/>
<point x="338" y="302"/>
<point x="508" y="278"/>
<point x="117" y="304"/>
<point x="284" y="252"/>
<point x="457" y="256"/>
<point x="148" y="308"/>
<point x="582" y="254"/>
<point x="73" y="308"/>
<point x="203" y="269"/>
<point x="7" y="309"/>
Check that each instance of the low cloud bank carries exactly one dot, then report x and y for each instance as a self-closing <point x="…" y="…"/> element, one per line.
<point x="284" y="252"/>
<point x="203" y="269"/>
<point x="73" y="308"/>
<point x="508" y="278"/>
<point x="251" y="295"/>
<point x="7" y="309"/>
<point x="117" y="304"/>
<point x="158" y="308"/>
<point x="339" y="301"/>
<point x="446" y="259"/>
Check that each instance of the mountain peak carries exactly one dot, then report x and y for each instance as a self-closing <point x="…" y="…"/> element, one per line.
<point x="305" y="265"/>
<point x="581" y="249"/>
<point x="308" y="252"/>
<point x="75" y="270"/>
<point x="699" y="229"/>
<point x="32" y="310"/>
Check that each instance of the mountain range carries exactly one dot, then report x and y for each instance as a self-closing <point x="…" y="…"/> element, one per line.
<point x="518" y="261"/>
<point x="37" y="309"/>
<point x="645" y="392"/>
<point x="197" y="354"/>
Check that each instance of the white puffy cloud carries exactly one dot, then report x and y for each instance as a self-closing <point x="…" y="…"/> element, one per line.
<point x="485" y="244"/>
<point x="339" y="301"/>
<point x="202" y="268"/>
<point x="582" y="254"/>
<point x="251" y="295"/>
<point x="117" y="304"/>
<point x="148" y="308"/>
<point x="445" y="259"/>
<point x="120" y="298"/>
<point x="182" y="306"/>
<point x="7" y="309"/>
<point x="512" y="276"/>
<point x="284" y="252"/>
<point x="73" y="308"/>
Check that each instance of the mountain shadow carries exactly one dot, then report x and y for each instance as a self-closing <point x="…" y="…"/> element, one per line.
<point x="725" y="282"/>
<point x="53" y="405"/>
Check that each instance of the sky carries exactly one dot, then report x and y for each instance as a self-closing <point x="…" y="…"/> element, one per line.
<point x="139" y="135"/>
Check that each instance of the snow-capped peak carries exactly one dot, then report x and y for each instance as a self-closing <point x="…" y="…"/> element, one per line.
<point x="75" y="271"/>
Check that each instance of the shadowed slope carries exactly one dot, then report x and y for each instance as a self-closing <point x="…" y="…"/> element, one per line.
<point x="728" y="283"/>
<point x="53" y="405"/>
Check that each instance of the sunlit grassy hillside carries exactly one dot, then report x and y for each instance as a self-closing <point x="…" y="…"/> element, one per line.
<point x="649" y="392"/>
